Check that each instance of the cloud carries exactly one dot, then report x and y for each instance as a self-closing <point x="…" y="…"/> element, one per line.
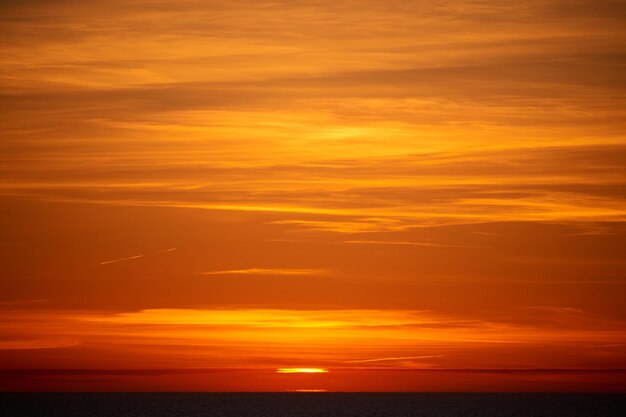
<point x="37" y="344"/>
<point x="273" y="338"/>
<point x="405" y="243"/>
<point x="401" y="358"/>
<point x="266" y="271"/>
<point x="558" y="184"/>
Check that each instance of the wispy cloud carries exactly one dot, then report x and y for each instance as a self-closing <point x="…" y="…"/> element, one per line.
<point x="399" y="358"/>
<point x="266" y="271"/>
<point x="407" y="243"/>
<point x="365" y="194"/>
<point x="52" y="343"/>
<point x="260" y="338"/>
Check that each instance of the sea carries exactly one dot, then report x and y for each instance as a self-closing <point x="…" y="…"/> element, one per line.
<point x="310" y="405"/>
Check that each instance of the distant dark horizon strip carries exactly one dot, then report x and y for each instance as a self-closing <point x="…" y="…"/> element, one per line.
<point x="159" y="372"/>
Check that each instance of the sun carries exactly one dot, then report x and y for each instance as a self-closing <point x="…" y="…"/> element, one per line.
<point x="302" y="371"/>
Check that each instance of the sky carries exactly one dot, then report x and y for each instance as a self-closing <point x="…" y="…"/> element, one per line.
<point x="399" y="195"/>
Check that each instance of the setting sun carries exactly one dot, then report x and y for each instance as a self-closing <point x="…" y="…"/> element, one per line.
<point x="301" y="371"/>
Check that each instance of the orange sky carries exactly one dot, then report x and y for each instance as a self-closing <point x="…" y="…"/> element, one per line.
<point x="410" y="195"/>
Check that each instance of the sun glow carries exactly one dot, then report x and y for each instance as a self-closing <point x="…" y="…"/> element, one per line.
<point x="302" y="371"/>
<point x="307" y="390"/>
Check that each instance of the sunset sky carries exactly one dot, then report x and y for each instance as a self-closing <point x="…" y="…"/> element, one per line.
<point x="398" y="195"/>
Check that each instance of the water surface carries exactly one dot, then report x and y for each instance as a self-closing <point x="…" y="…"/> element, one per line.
<point x="310" y="405"/>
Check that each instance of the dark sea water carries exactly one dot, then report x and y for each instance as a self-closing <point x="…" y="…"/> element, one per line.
<point x="310" y="404"/>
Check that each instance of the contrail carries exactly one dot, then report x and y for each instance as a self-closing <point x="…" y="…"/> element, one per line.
<point x="137" y="256"/>
<point x="395" y="359"/>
